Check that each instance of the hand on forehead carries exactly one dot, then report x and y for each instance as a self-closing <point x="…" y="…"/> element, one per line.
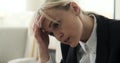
<point x="39" y="20"/>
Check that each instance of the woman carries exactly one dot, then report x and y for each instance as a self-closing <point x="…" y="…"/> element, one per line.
<point x="95" y="35"/>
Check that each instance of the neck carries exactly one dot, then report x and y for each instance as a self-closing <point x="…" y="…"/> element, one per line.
<point x="88" y="24"/>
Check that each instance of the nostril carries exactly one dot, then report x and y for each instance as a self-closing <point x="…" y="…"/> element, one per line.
<point x="61" y="35"/>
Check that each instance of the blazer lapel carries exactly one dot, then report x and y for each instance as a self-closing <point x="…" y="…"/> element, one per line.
<point x="102" y="39"/>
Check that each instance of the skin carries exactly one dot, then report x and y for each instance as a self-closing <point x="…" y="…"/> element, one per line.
<point x="71" y="25"/>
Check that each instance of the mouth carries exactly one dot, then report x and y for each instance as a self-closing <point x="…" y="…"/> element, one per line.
<point x="67" y="40"/>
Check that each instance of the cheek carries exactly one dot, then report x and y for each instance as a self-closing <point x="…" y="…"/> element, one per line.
<point x="72" y="27"/>
<point x="76" y="31"/>
<point x="77" y="28"/>
<point x="76" y="36"/>
<point x="73" y="30"/>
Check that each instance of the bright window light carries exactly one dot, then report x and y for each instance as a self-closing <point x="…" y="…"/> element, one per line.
<point x="104" y="7"/>
<point x="13" y="5"/>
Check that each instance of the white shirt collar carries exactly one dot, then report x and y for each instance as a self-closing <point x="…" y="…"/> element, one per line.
<point x="91" y="43"/>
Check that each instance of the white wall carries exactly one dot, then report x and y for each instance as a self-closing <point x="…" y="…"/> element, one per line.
<point x="12" y="43"/>
<point x="33" y="5"/>
<point x="103" y="7"/>
<point x="117" y="9"/>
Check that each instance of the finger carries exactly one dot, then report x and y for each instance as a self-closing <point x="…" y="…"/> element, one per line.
<point x="35" y="27"/>
<point x="37" y="33"/>
<point x="37" y="17"/>
<point x="40" y="21"/>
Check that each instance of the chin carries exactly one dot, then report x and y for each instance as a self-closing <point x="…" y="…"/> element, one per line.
<point x="73" y="45"/>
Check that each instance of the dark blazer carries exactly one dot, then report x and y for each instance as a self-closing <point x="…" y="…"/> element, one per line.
<point x="108" y="43"/>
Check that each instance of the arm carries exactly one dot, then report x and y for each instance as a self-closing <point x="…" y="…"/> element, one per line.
<point x="42" y="40"/>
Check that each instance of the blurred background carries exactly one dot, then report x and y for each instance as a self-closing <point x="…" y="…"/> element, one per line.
<point x="16" y="41"/>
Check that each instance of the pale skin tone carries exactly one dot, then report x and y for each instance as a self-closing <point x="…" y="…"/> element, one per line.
<point x="71" y="29"/>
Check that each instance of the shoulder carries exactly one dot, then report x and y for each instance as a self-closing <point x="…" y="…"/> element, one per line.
<point x="114" y="26"/>
<point x="102" y="20"/>
<point x="107" y="25"/>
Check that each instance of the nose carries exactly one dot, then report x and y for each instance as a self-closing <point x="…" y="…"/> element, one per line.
<point x="59" y="35"/>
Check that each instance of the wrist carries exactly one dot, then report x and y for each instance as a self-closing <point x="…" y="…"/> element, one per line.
<point x="45" y="60"/>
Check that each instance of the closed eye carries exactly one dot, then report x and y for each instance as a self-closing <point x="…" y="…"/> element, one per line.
<point x="55" y="25"/>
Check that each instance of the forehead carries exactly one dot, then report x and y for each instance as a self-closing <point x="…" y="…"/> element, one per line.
<point x="52" y="15"/>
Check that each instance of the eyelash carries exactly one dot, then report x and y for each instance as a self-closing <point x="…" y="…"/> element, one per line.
<point x="55" y="25"/>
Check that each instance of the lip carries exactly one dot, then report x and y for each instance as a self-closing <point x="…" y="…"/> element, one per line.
<point x="67" y="40"/>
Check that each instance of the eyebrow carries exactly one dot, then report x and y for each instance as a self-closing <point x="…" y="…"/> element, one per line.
<point x="50" y="24"/>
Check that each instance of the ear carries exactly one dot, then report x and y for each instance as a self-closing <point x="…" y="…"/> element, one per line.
<point x="75" y="8"/>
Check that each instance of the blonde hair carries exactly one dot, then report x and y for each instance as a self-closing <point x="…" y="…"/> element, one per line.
<point x="59" y="4"/>
<point x="53" y="3"/>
